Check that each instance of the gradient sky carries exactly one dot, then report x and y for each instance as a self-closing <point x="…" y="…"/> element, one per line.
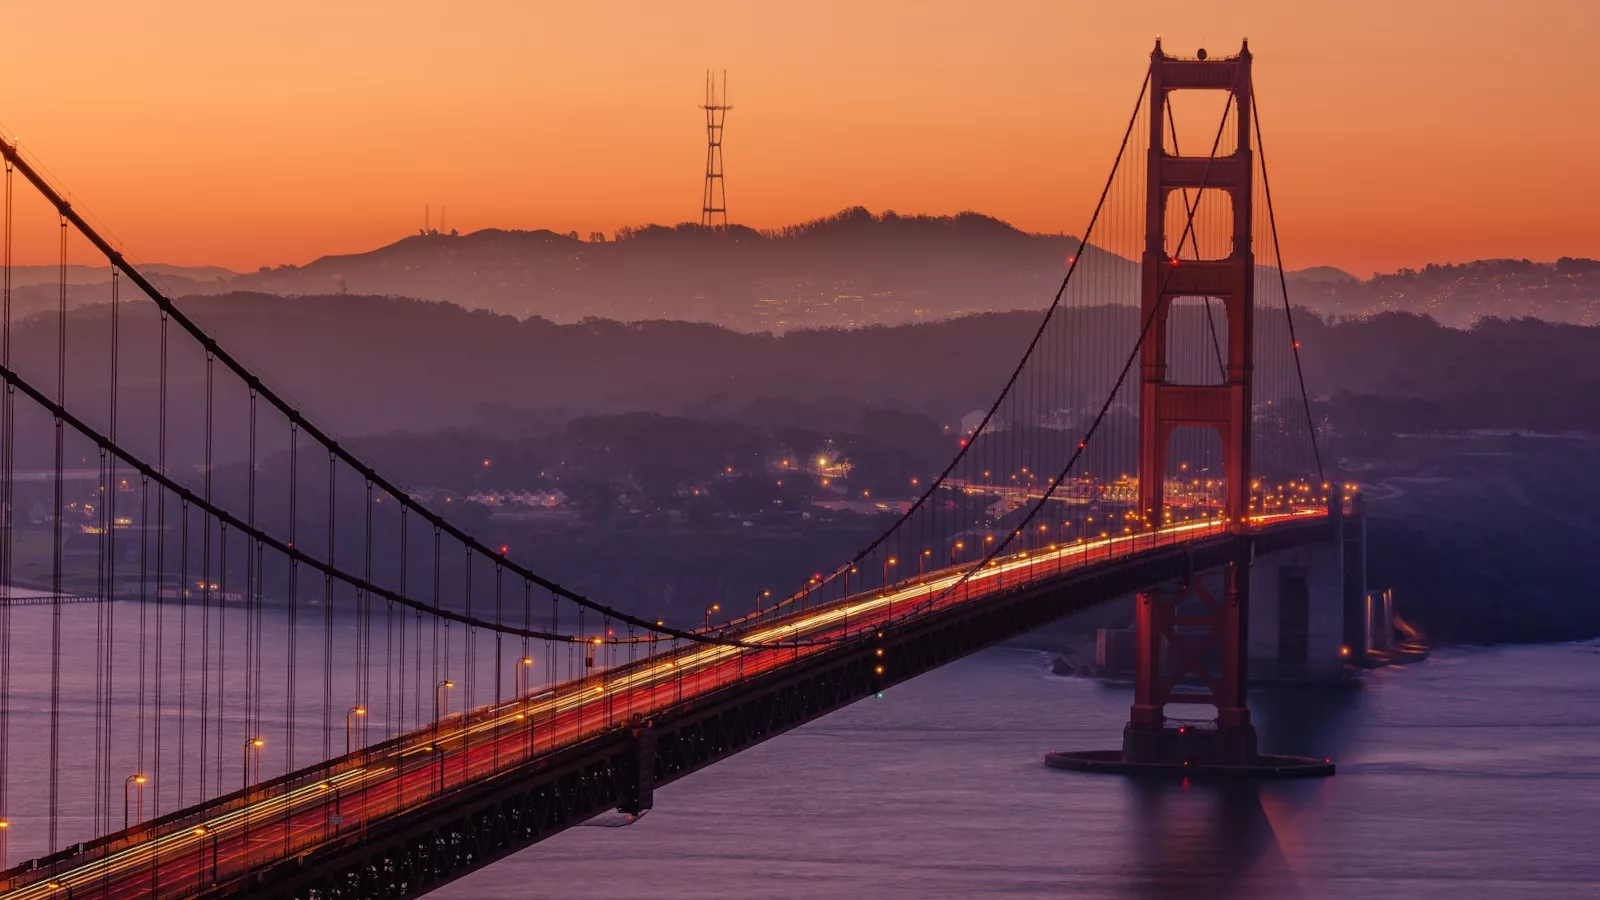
<point x="245" y="134"/>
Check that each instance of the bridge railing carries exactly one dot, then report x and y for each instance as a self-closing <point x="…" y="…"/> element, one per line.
<point x="381" y="778"/>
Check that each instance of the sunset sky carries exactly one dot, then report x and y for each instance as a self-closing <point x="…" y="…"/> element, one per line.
<point x="1400" y="132"/>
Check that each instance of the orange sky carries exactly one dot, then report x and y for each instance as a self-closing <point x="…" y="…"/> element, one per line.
<point x="245" y="134"/>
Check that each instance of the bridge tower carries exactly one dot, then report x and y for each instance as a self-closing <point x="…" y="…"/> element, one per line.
<point x="1195" y="632"/>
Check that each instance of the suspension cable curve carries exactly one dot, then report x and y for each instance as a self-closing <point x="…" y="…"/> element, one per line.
<point x="12" y="154"/>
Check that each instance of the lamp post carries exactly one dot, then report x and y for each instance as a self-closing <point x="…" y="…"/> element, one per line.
<point x="715" y="607"/>
<point x="349" y="718"/>
<point x="760" y="596"/>
<point x="5" y="829"/>
<point x="519" y="679"/>
<point x="200" y="831"/>
<point x="922" y="559"/>
<point x="127" y="787"/>
<point x="439" y="700"/>
<point x="252" y="744"/>
<point x="519" y="676"/>
<point x="886" y="564"/>
<point x="958" y="545"/>
<point x="337" y="819"/>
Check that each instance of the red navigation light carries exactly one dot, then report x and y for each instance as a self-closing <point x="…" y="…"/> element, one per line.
<point x="504" y="548"/>
<point x="1174" y="260"/>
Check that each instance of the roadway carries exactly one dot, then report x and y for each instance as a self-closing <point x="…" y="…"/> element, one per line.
<point x="243" y="834"/>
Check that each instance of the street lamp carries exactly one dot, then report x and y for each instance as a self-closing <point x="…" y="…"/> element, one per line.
<point x="252" y="744"/>
<point x="760" y="596"/>
<point x="886" y="564"/>
<point x="200" y="831"/>
<point x="438" y="701"/>
<point x="337" y="819"/>
<point x="519" y="676"/>
<point x="5" y="829"/>
<point x="958" y="545"/>
<point x="715" y="607"/>
<point x="127" y="786"/>
<point x="519" y="680"/>
<point x="349" y="717"/>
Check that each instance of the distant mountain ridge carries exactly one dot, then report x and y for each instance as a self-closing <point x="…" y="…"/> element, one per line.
<point x="929" y="266"/>
<point x="852" y="269"/>
<point x="1567" y="290"/>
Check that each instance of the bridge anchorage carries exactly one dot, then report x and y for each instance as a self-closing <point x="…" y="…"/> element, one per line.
<point x="1192" y="641"/>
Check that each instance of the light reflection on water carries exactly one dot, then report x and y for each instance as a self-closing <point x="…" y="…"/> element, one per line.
<point x="1472" y="775"/>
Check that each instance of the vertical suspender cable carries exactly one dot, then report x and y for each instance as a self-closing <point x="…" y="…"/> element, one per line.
<point x="55" y="568"/>
<point x="1288" y="313"/>
<point x="7" y="482"/>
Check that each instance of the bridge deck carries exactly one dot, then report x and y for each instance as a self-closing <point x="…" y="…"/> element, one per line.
<point x="401" y="817"/>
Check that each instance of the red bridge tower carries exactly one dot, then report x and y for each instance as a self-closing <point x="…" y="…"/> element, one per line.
<point x="1182" y="633"/>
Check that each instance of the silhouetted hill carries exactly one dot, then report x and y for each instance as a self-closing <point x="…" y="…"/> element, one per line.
<point x="1320" y="275"/>
<point x="852" y="268"/>
<point x="1484" y="532"/>
<point x="1567" y="290"/>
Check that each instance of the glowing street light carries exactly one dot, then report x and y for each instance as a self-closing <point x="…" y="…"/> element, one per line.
<point x="252" y="744"/>
<point x="127" y="787"/>
<point x="349" y="718"/>
<point x="440" y="700"/>
<point x="715" y="607"/>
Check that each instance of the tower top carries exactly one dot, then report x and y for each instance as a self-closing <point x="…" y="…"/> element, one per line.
<point x="712" y="104"/>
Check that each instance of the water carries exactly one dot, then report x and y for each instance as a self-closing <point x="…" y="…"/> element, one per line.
<point x="1474" y="774"/>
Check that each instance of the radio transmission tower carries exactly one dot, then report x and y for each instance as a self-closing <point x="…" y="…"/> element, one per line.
<point x="715" y="201"/>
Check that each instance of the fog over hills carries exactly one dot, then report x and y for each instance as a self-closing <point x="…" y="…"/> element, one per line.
<point x="1475" y="443"/>
<point x="852" y="269"/>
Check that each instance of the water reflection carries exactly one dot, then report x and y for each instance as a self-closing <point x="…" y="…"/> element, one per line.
<point x="1198" y="840"/>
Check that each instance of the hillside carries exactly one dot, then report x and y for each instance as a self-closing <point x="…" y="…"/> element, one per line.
<point x="855" y="268"/>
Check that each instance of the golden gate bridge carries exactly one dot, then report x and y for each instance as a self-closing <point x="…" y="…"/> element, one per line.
<point x="305" y="682"/>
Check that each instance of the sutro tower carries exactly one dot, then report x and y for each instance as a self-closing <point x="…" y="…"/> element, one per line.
<point x="715" y="201"/>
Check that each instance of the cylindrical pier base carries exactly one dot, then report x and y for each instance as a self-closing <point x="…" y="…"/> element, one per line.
<point x="1188" y="752"/>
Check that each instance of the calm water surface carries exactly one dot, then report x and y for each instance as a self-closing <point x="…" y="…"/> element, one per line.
<point x="1475" y="774"/>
